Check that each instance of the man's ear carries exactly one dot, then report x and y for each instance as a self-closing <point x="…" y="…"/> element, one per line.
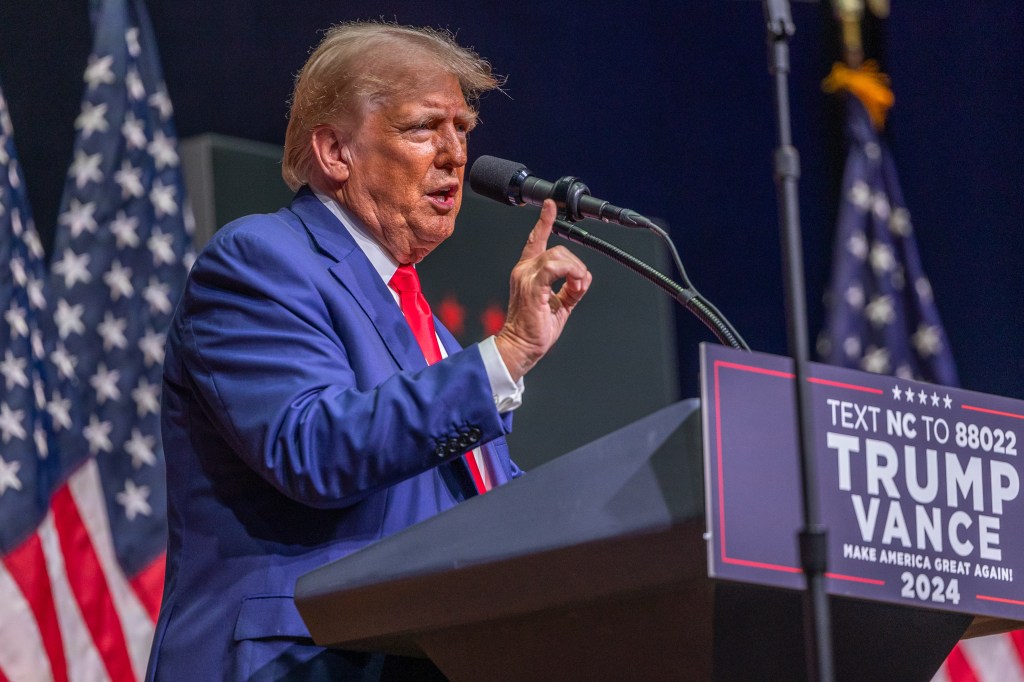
<point x="330" y="149"/>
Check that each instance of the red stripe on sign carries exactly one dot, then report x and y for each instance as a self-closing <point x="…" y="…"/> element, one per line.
<point x="988" y="411"/>
<point x="839" y="384"/>
<point x="958" y="668"/>
<point x="149" y="586"/>
<point x="854" y="578"/>
<point x="27" y="566"/>
<point x="89" y="585"/>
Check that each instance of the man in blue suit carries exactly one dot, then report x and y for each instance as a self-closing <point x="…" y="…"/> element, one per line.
<point x="301" y="420"/>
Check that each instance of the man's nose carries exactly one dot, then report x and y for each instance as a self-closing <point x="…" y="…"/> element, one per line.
<point x="451" y="148"/>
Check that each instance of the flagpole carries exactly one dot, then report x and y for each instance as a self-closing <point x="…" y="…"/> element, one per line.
<point x="813" y="538"/>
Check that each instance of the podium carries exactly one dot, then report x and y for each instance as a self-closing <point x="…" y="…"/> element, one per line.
<point x="593" y="567"/>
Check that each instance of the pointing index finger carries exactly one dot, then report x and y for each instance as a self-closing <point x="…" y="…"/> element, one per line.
<point x="537" y="242"/>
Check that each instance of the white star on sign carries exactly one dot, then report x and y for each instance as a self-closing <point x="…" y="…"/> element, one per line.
<point x="97" y="434"/>
<point x="112" y="331"/>
<point x="130" y="180"/>
<point x="882" y="260"/>
<point x="875" y="360"/>
<point x="880" y="311"/>
<point x="11" y="423"/>
<point x="922" y="397"/>
<point x="60" y="411"/>
<point x="134" y="131"/>
<point x="163" y="198"/>
<point x="73" y="268"/>
<point x="947" y="402"/>
<point x="124" y="228"/>
<point x="69" y="319"/>
<point x="79" y="217"/>
<point x="927" y="340"/>
<point x="146" y="397"/>
<point x="64" y="361"/>
<point x="13" y="369"/>
<point x="93" y="119"/>
<point x="162" y="149"/>
<point x="152" y="347"/>
<point x="134" y="499"/>
<point x="104" y="382"/>
<point x="157" y="295"/>
<point x="119" y="279"/>
<point x="935" y="399"/>
<point x="15" y="317"/>
<point x="9" y="475"/>
<point x="98" y="71"/>
<point x="896" y="393"/>
<point x="140" y="447"/>
<point x="86" y="168"/>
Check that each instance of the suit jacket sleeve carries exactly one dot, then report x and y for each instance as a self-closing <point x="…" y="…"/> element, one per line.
<point x="296" y="377"/>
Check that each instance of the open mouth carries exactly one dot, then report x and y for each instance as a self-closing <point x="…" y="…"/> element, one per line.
<point x="444" y="197"/>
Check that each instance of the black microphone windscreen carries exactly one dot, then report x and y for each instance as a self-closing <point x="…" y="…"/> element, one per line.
<point x="492" y="177"/>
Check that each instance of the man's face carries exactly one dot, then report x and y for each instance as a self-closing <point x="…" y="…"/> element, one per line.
<point x="406" y="161"/>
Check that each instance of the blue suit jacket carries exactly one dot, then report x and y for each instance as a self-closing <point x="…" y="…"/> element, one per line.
<point x="300" y="423"/>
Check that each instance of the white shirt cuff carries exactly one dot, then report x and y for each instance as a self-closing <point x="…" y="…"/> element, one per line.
<point x="508" y="394"/>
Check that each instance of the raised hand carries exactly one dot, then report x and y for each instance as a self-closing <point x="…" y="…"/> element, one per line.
<point x="537" y="313"/>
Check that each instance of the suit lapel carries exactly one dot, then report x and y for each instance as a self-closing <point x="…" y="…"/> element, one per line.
<point x="356" y="274"/>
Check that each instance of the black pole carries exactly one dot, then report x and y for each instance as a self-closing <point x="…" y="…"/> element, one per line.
<point x="812" y="539"/>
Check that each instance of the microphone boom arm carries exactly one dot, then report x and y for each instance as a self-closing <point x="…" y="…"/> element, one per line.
<point x="688" y="298"/>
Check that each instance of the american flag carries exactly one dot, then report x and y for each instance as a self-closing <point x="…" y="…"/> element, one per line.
<point x="82" y="496"/>
<point x="882" y="318"/>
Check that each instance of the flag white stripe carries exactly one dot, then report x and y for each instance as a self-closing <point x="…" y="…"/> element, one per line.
<point x="84" y="661"/>
<point x="22" y="654"/>
<point x="136" y="625"/>
<point x="993" y="658"/>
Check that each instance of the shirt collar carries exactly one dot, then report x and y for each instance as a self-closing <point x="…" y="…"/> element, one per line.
<point x="380" y="259"/>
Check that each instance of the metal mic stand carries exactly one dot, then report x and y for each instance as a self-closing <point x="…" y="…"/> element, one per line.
<point x="813" y="538"/>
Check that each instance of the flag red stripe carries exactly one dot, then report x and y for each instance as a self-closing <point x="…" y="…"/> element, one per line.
<point x="958" y="668"/>
<point x="27" y="566"/>
<point x="1017" y="640"/>
<point x="474" y="470"/>
<point x="88" y="584"/>
<point x="149" y="586"/>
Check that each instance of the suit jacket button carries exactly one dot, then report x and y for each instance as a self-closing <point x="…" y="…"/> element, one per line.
<point x="440" y="451"/>
<point x="474" y="434"/>
<point x="453" y="446"/>
<point x="465" y="441"/>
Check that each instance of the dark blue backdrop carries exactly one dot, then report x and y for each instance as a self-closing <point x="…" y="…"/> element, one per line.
<point x="661" y="106"/>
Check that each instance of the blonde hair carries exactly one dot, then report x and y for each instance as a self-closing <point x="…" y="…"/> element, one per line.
<point x="350" y="69"/>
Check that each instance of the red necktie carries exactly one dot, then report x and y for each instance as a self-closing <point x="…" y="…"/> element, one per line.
<point x="417" y="313"/>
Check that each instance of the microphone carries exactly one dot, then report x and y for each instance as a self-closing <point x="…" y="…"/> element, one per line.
<point x="508" y="182"/>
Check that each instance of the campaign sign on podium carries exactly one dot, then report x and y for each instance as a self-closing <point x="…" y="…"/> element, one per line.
<point x="919" y="484"/>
